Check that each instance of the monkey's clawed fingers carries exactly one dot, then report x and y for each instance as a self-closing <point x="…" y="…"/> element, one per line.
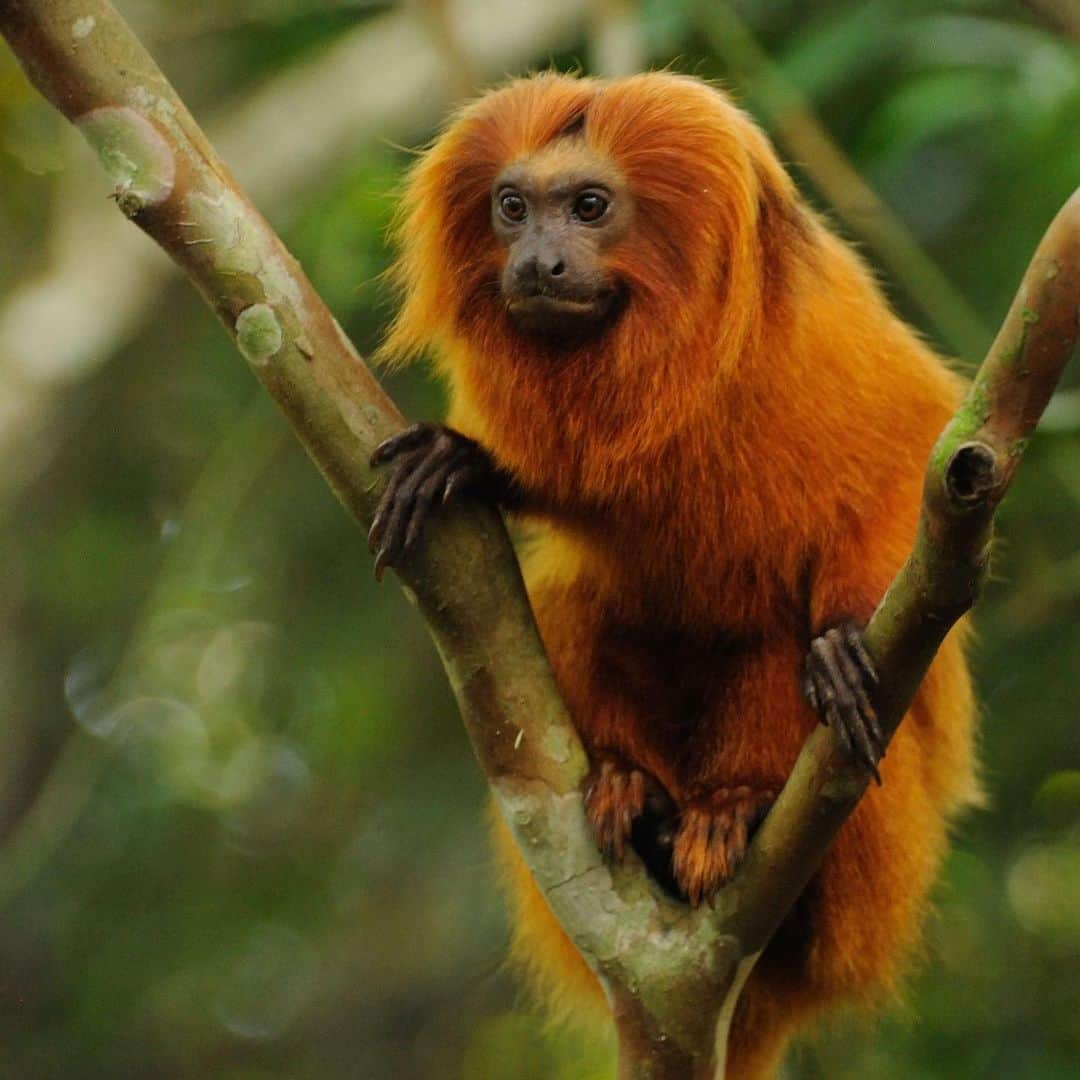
<point x="617" y="793"/>
<point x="838" y="678"/>
<point x="614" y="797"/>
<point x="713" y="837"/>
<point x="433" y="464"/>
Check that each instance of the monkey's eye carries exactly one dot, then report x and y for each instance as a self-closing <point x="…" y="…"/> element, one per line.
<point x="590" y="207"/>
<point x="512" y="206"/>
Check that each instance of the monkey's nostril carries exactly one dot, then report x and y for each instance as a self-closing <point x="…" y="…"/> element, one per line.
<point x="558" y="268"/>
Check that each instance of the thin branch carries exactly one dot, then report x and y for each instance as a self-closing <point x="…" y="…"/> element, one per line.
<point x="791" y="119"/>
<point x="616" y="43"/>
<point x="461" y="76"/>
<point x="672" y="973"/>
<point x="1061" y="15"/>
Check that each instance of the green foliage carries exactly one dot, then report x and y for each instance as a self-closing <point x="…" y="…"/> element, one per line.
<point x="240" y="828"/>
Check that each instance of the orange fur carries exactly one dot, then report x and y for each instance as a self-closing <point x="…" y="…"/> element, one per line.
<point x="734" y="465"/>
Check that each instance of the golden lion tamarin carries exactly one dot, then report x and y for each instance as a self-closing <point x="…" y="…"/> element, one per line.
<point x="657" y="352"/>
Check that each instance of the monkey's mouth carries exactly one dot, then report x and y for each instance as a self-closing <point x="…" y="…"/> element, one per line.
<point x="561" y="316"/>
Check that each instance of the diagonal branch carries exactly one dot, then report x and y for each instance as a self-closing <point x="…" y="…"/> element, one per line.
<point x="388" y="80"/>
<point x="795" y="126"/>
<point x="82" y="56"/>
<point x="672" y="974"/>
<point x="970" y="469"/>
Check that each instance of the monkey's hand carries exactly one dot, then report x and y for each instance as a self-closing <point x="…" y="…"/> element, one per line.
<point x="622" y="800"/>
<point x="713" y="836"/>
<point x="433" y="465"/>
<point x="838" y="677"/>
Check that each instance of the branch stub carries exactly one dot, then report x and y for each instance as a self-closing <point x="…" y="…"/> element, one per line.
<point x="971" y="475"/>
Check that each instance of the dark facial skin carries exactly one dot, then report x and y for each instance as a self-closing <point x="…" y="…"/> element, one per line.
<point x="557" y="213"/>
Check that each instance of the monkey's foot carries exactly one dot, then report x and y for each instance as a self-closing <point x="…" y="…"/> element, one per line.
<point x="713" y="836"/>
<point x="434" y="464"/>
<point x="838" y="678"/>
<point x="617" y="795"/>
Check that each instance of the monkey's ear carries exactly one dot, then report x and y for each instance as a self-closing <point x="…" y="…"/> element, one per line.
<point x="780" y="207"/>
<point x="575" y="127"/>
<point x="785" y="231"/>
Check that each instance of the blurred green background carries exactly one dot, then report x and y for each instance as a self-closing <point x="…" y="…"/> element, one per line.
<point x="240" y="827"/>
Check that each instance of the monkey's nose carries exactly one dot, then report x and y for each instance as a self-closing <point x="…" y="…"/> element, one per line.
<point x="540" y="272"/>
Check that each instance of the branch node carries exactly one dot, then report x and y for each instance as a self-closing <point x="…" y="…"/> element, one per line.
<point x="258" y="334"/>
<point x="137" y="157"/>
<point x="971" y="474"/>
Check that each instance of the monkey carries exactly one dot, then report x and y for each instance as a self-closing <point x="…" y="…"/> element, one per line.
<point x="664" y="360"/>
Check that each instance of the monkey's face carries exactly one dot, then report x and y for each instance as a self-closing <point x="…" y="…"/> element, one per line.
<point x="558" y="214"/>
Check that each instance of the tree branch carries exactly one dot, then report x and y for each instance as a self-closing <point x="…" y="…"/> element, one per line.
<point x="616" y="43"/>
<point x="969" y="471"/>
<point x="672" y="974"/>
<point x="388" y="81"/>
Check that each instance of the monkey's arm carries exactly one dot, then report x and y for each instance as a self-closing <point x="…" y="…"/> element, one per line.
<point x="433" y="464"/>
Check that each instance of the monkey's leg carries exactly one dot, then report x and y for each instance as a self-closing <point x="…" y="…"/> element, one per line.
<point x="838" y="677"/>
<point x="434" y="464"/>
<point x="713" y="836"/>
